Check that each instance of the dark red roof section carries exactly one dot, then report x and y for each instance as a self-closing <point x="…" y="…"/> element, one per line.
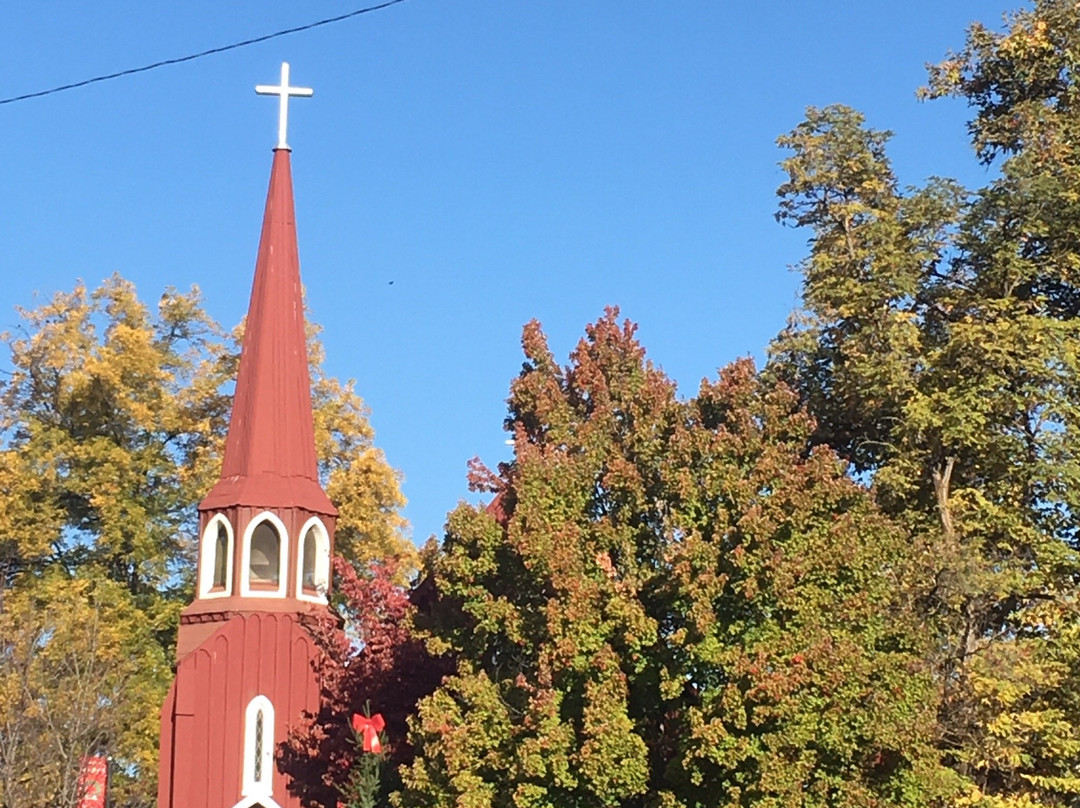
<point x="270" y="451"/>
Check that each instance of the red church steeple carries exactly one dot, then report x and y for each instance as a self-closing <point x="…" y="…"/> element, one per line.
<point x="244" y="652"/>
<point x="270" y="450"/>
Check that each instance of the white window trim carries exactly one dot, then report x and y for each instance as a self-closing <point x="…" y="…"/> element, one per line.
<point x="245" y="558"/>
<point x="265" y="801"/>
<point x="263" y="789"/>
<point x="207" y="548"/>
<point x="322" y="560"/>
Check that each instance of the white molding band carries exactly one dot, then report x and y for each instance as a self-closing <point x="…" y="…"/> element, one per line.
<point x="264" y="801"/>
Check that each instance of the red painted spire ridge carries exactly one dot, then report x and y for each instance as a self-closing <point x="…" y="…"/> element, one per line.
<point x="270" y="450"/>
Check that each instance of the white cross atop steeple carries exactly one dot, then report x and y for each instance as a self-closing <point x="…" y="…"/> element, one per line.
<point x="283" y="91"/>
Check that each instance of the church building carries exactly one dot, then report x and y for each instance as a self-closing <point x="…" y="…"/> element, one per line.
<point x="266" y="533"/>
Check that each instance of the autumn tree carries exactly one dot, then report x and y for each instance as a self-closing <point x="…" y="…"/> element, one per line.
<point x="371" y="661"/>
<point x="938" y="352"/>
<point x="668" y="603"/>
<point x="111" y="427"/>
<point x="80" y="675"/>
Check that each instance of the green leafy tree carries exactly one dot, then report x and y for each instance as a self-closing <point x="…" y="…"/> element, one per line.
<point x="364" y="783"/>
<point x="668" y="603"/>
<point x="938" y="351"/>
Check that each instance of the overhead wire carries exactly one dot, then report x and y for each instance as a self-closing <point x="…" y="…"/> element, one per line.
<point x="201" y="54"/>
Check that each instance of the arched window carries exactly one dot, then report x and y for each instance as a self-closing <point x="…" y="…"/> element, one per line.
<point x="221" y="558"/>
<point x="258" y="748"/>
<point x="313" y="574"/>
<point x="264" y="563"/>
<point x="308" y="571"/>
<point x="264" y="557"/>
<point x="216" y="562"/>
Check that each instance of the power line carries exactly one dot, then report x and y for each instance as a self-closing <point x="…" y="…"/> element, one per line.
<point x="201" y="54"/>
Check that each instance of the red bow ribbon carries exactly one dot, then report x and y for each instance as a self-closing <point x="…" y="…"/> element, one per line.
<point x="370" y="729"/>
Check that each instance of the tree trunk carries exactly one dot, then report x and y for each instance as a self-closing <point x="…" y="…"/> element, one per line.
<point x="942" y="478"/>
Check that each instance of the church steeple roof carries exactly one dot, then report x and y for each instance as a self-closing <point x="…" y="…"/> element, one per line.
<point x="270" y="450"/>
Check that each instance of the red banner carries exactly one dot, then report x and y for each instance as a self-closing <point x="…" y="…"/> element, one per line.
<point x="93" y="781"/>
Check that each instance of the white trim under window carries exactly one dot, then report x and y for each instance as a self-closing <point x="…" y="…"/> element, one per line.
<point x="322" y="561"/>
<point x="208" y="549"/>
<point x="257" y="802"/>
<point x="258" y="749"/>
<point x="246" y="588"/>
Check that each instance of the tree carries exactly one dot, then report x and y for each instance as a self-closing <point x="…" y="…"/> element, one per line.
<point x="80" y="675"/>
<point x="111" y="429"/>
<point x="937" y="351"/>
<point x="365" y="489"/>
<point x="111" y="422"/>
<point x="370" y="661"/>
<point x="668" y="603"/>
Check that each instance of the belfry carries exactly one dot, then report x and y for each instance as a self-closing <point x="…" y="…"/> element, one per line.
<point x="266" y="531"/>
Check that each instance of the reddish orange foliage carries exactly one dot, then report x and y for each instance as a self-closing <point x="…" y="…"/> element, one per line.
<point x="369" y="657"/>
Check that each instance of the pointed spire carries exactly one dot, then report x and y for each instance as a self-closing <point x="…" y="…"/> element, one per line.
<point x="270" y="451"/>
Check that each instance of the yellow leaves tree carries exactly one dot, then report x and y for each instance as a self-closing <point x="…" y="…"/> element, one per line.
<point x="111" y="429"/>
<point x="80" y="674"/>
<point x="360" y="482"/>
<point x="937" y="351"/>
<point x="109" y="434"/>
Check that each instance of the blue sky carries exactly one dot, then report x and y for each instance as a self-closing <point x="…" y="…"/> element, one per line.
<point x="496" y="161"/>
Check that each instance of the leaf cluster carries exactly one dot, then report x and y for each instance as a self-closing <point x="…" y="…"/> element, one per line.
<point x="668" y="603"/>
<point x="370" y="659"/>
<point x="937" y="351"/>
